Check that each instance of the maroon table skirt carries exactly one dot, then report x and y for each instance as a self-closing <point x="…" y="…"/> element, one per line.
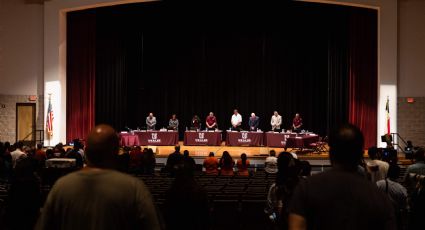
<point x="149" y="138"/>
<point x="301" y="141"/>
<point x="277" y="139"/>
<point x="202" y="138"/>
<point x="244" y="138"/>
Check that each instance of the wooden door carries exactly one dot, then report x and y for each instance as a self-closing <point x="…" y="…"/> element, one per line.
<point x="25" y="122"/>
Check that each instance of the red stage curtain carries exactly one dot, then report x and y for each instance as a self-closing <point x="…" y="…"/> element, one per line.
<point x="363" y="80"/>
<point x="81" y="63"/>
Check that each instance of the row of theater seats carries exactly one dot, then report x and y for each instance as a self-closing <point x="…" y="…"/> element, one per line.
<point x="235" y="202"/>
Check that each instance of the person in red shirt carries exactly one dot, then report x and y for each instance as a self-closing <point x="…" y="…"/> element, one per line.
<point x="211" y="164"/>
<point x="297" y="123"/>
<point x="211" y="121"/>
<point x="40" y="155"/>
<point x="243" y="165"/>
<point x="226" y="164"/>
<point x="135" y="164"/>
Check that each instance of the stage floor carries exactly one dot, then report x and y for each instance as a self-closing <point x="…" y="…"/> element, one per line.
<point x="235" y="151"/>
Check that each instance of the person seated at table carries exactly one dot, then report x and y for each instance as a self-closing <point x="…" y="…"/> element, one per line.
<point x="150" y="122"/>
<point x="211" y="164"/>
<point x="211" y="121"/>
<point x="253" y="122"/>
<point x="173" y="123"/>
<point x="226" y="164"/>
<point x="243" y="165"/>
<point x="297" y="123"/>
<point x="236" y="120"/>
<point x="276" y="121"/>
<point x="196" y="122"/>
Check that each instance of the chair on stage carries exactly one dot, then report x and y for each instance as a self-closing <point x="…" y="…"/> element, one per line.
<point x="320" y="146"/>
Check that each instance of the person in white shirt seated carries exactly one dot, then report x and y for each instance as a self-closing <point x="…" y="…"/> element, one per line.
<point x="271" y="163"/>
<point x="276" y="121"/>
<point x="236" y="120"/>
<point x="376" y="168"/>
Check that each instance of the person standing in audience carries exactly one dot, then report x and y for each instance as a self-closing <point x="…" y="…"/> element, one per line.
<point x="340" y="198"/>
<point x="18" y="153"/>
<point x="270" y="164"/>
<point x="211" y="121"/>
<point x="396" y="192"/>
<point x="136" y="160"/>
<point x="281" y="191"/>
<point x="150" y="122"/>
<point x="186" y="202"/>
<point x="376" y="168"/>
<point x="188" y="160"/>
<point x="236" y="120"/>
<point x="276" y="121"/>
<point x="226" y="164"/>
<point x="253" y="122"/>
<point x="211" y="164"/>
<point x="173" y="160"/>
<point x="149" y="162"/>
<point x="419" y="166"/>
<point x="297" y="123"/>
<point x="173" y="123"/>
<point x="243" y="165"/>
<point x="98" y="197"/>
<point x="196" y="122"/>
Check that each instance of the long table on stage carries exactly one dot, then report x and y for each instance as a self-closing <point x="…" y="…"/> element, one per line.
<point x="244" y="138"/>
<point x="290" y="140"/>
<point x="202" y="138"/>
<point x="149" y="138"/>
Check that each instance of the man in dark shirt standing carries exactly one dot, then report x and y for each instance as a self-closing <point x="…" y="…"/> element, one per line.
<point x="340" y="198"/>
<point x="173" y="160"/>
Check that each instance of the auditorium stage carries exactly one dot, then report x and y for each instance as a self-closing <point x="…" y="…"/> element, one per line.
<point x="256" y="155"/>
<point x="260" y="152"/>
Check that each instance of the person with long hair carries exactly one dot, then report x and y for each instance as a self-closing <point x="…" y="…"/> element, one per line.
<point x="226" y="164"/>
<point x="243" y="165"/>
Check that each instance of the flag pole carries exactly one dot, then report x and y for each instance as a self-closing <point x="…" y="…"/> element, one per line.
<point x="48" y="135"/>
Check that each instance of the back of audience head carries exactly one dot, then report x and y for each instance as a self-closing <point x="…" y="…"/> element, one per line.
<point x="305" y="168"/>
<point x="226" y="159"/>
<point x="39" y="145"/>
<point x="373" y="152"/>
<point x="393" y="172"/>
<point x="243" y="158"/>
<point x="186" y="153"/>
<point x="211" y="154"/>
<point x="288" y="167"/>
<point x="346" y="147"/>
<point x="19" y="145"/>
<point x="177" y="148"/>
<point x="272" y="153"/>
<point x="102" y="147"/>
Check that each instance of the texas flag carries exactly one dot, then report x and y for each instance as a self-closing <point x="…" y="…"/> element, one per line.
<point x="387" y="109"/>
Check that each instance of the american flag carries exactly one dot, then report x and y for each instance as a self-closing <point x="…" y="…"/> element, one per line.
<point x="49" y="120"/>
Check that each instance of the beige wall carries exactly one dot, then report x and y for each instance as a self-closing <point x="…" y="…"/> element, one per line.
<point x="21" y="48"/>
<point x="411" y="48"/>
<point x="21" y="62"/>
